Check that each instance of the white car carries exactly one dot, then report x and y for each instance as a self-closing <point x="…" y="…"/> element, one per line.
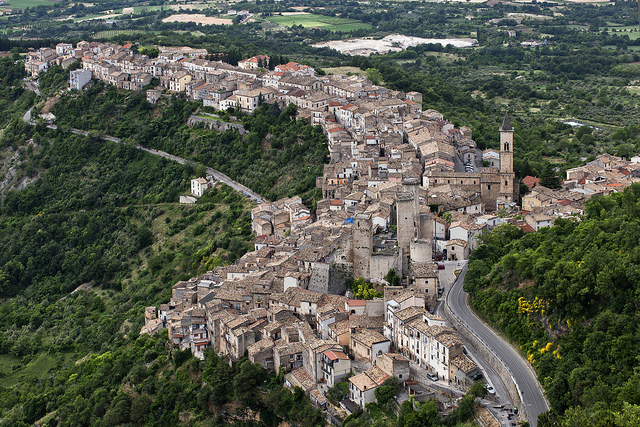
<point x="490" y="389"/>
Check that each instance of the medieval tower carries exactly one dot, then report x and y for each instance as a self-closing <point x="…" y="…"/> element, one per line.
<point x="362" y="242"/>
<point x="506" y="160"/>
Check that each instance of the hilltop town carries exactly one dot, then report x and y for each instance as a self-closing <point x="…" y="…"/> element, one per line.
<point x="404" y="190"/>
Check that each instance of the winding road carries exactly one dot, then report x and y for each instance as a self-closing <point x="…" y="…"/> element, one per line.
<point x="217" y="175"/>
<point x="521" y="372"/>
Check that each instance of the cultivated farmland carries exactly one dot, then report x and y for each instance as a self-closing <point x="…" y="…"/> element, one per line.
<point x="310" y="20"/>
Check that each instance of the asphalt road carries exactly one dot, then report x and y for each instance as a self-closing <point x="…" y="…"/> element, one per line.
<point x="219" y="176"/>
<point x="523" y="376"/>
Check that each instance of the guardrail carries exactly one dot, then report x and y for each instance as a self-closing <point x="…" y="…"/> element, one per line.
<point x="498" y="364"/>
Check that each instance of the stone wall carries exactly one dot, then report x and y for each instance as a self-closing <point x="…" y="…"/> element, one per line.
<point x="421" y="250"/>
<point x="338" y="276"/>
<point x="362" y="246"/>
<point x="380" y="264"/>
<point x="330" y="278"/>
<point x="319" y="277"/>
<point x="216" y="125"/>
<point x="486" y="354"/>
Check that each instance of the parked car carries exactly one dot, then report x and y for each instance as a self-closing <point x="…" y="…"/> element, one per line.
<point x="440" y="266"/>
<point x="490" y="389"/>
<point x="432" y="377"/>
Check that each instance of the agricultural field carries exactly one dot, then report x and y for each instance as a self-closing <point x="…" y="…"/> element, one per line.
<point x="21" y="4"/>
<point x="13" y="372"/>
<point x="97" y="16"/>
<point x="310" y="20"/>
<point x="199" y="18"/>
<point x="188" y="6"/>
<point x="630" y="30"/>
<point x="344" y="70"/>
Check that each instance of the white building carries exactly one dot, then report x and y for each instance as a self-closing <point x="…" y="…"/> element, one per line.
<point x="199" y="186"/>
<point x="362" y="387"/>
<point x="64" y="48"/>
<point x="335" y="366"/>
<point x="79" y="78"/>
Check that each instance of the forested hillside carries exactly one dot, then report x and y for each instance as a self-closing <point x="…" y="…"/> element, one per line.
<point x="278" y="156"/>
<point x="104" y="216"/>
<point x="98" y="235"/>
<point x="569" y="297"/>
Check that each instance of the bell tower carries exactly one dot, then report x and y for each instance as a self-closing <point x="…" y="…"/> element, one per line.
<point x="506" y="160"/>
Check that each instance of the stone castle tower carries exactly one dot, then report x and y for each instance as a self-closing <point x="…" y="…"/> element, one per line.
<point x="362" y="241"/>
<point x="506" y="160"/>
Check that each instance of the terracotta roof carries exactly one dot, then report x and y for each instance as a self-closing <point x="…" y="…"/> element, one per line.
<point x="427" y="269"/>
<point x="463" y="363"/>
<point x="261" y="345"/>
<point x="409" y="312"/>
<point x="362" y="382"/>
<point x="458" y="242"/>
<point x="396" y="356"/>
<point x="369" y="379"/>
<point x="304" y="378"/>
<point x="335" y="355"/>
<point x="318" y="396"/>
<point x="525" y="227"/>
<point x="341" y="327"/>
<point x="530" y="181"/>
<point x="369" y="337"/>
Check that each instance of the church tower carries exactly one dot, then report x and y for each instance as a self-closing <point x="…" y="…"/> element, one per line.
<point x="506" y="160"/>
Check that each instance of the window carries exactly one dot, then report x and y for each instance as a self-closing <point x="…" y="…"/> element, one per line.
<point x="489" y="187"/>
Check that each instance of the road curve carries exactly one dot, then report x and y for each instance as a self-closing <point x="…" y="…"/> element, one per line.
<point x="523" y="375"/>
<point x="219" y="176"/>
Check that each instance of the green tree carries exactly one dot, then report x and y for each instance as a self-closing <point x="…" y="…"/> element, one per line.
<point x="385" y="392"/>
<point x="374" y="75"/>
<point x="200" y="171"/>
<point x="393" y="278"/>
<point x="548" y="177"/>
<point x="140" y="408"/>
<point x="247" y="379"/>
<point x="364" y="290"/>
